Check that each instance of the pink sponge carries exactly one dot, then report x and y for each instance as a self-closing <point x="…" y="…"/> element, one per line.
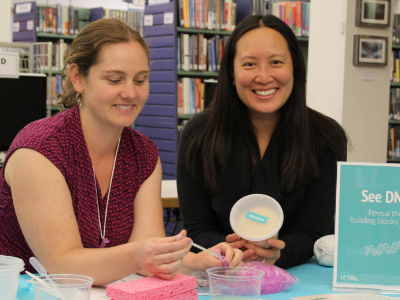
<point x="191" y="295"/>
<point x="152" y="288"/>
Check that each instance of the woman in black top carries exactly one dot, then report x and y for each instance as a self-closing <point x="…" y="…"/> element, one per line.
<point x="259" y="137"/>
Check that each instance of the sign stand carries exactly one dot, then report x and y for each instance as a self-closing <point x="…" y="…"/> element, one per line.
<point x="367" y="248"/>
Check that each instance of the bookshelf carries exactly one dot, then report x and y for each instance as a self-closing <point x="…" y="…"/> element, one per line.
<point x="394" y="101"/>
<point x="51" y="29"/>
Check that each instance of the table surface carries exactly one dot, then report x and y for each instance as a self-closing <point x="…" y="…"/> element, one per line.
<point x="314" y="280"/>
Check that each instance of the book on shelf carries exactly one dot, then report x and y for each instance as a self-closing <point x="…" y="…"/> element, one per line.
<point x="394" y="141"/>
<point x="180" y="97"/>
<point x="50" y="56"/>
<point x="57" y="19"/>
<point x="212" y="53"/>
<point x="195" y="53"/>
<point x="185" y="60"/>
<point x="192" y="14"/>
<point x="201" y="13"/>
<point x="200" y="53"/>
<point x="294" y="14"/>
<point x="186" y="13"/>
<point x="190" y="98"/>
<point x="186" y="95"/>
<point x="133" y="18"/>
<point x="396" y="66"/>
<point x="191" y="52"/>
<point x="196" y="13"/>
<point x="207" y="14"/>
<point x="56" y="88"/>
<point x="396" y="29"/>
<point x="394" y="105"/>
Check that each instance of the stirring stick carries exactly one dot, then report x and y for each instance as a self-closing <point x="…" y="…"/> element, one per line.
<point x="204" y="249"/>
<point x="179" y="237"/>
<point x="47" y="285"/>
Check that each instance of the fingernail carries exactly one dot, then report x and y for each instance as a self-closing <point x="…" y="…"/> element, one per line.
<point x="179" y="237"/>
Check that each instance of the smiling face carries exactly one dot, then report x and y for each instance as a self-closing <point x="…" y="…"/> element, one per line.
<point x="263" y="72"/>
<point x="117" y="86"/>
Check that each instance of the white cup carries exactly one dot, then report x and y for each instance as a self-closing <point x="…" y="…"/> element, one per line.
<point x="69" y="286"/>
<point x="10" y="267"/>
<point x="256" y="218"/>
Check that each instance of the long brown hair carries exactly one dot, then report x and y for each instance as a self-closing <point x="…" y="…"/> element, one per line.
<point x="298" y="126"/>
<point x="87" y="45"/>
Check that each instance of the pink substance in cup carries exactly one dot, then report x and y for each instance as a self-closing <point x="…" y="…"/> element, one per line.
<point x="221" y="257"/>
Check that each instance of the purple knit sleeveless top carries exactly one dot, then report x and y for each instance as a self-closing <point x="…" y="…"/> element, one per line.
<point x="60" y="139"/>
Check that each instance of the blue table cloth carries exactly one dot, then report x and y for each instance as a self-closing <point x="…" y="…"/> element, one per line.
<point x="314" y="280"/>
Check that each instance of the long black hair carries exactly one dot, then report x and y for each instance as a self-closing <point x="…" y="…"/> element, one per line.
<point x="298" y="126"/>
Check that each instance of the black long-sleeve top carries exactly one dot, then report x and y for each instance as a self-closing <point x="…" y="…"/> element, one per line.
<point x="308" y="209"/>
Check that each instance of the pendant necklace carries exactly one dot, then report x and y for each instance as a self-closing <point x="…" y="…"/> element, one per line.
<point x="105" y="240"/>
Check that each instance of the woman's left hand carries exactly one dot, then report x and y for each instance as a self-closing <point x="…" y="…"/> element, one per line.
<point x="233" y="257"/>
<point x="271" y="254"/>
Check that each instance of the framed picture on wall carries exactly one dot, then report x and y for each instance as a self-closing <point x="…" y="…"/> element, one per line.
<point x="373" y="13"/>
<point x="370" y="50"/>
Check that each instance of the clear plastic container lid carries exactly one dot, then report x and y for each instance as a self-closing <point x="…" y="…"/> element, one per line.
<point x="10" y="264"/>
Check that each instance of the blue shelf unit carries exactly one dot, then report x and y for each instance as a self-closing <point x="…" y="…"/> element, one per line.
<point x="25" y="35"/>
<point x="158" y="119"/>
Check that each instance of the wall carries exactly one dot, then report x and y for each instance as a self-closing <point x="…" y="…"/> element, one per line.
<point x="335" y="87"/>
<point x="5" y="21"/>
<point x="326" y="51"/>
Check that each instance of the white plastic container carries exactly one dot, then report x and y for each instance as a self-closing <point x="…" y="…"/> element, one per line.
<point x="256" y="218"/>
<point x="10" y="267"/>
<point x="234" y="283"/>
<point x="64" y="287"/>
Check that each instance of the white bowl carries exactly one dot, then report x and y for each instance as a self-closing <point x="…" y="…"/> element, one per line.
<point x="256" y="218"/>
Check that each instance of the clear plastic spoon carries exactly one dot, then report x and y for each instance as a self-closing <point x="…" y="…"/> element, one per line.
<point x="43" y="272"/>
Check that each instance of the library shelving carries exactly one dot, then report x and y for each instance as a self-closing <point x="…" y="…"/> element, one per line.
<point x="394" y="103"/>
<point x="51" y="29"/>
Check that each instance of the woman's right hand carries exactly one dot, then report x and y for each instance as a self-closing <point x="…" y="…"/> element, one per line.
<point x="163" y="256"/>
<point x="236" y="241"/>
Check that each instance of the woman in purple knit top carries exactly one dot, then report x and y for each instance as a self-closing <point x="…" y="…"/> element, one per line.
<point x="81" y="190"/>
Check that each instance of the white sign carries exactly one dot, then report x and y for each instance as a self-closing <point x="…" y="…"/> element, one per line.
<point x="9" y="63"/>
<point x="138" y="2"/>
<point x="168" y="18"/>
<point x="29" y="25"/>
<point x="23" y="8"/>
<point x="367" y="227"/>
<point x="16" y="27"/>
<point x="368" y="75"/>
<point x="155" y="2"/>
<point x="148" y="20"/>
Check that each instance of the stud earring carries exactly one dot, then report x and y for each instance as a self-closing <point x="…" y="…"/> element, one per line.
<point x="78" y="100"/>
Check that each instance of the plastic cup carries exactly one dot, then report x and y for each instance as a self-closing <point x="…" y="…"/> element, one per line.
<point x="234" y="283"/>
<point x="72" y="287"/>
<point x="10" y="267"/>
<point x="256" y="218"/>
